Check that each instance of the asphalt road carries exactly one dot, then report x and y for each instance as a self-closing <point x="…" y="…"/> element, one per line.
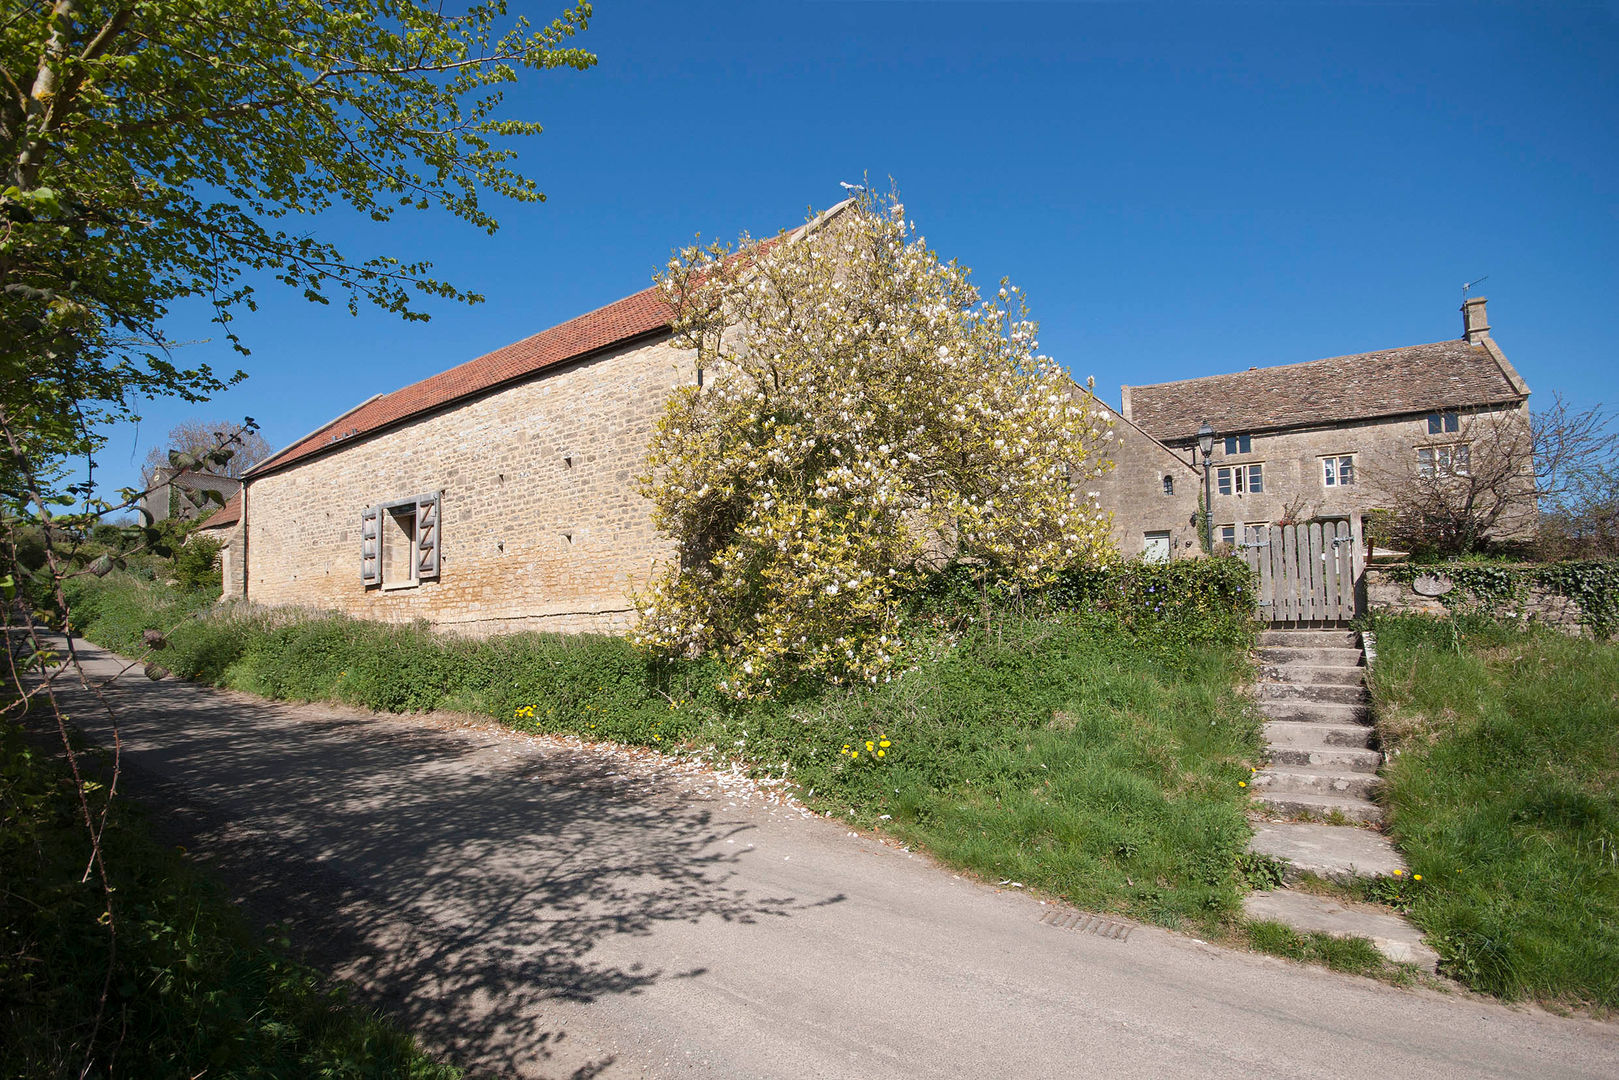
<point x="538" y="908"/>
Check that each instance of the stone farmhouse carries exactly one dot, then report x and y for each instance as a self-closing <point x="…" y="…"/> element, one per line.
<point x="180" y="493"/>
<point x="1303" y="442"/>
<point x="500" y="495"/>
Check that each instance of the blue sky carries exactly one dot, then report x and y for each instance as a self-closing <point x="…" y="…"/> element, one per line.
<point x="1182" y="189"/>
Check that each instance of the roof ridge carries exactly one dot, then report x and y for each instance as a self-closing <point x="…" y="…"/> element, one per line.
<point x="1306" y="363"/>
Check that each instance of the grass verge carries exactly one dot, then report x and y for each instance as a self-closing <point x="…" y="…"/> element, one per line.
<point x="1092" y="756"/>
<point x="193" y="992"/>
<point x="1503" y="794"/>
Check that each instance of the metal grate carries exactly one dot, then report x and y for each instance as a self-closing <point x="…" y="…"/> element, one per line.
<point x="1081" y="923"/>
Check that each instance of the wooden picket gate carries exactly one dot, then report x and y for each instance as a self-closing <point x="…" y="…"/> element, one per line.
<point x="1307" y="573"/>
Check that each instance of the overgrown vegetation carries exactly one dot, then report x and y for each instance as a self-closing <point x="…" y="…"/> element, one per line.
<point x="1088" y="739"/>
<point x="191" y="991"/>
<point x="1504" y="797"/>
<point x="1500" y="590"/>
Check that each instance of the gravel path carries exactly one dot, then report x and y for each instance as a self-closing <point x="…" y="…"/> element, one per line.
<point x="541" y="907"/>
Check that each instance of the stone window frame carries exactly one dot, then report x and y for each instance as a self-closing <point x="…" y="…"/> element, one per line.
<point x="1239" y="444"/>
<point x="1444" y="422"/>
<point x="1245" y="479"/>
<point x="1338" y="470"/>
<point x="1444" y="459"/>
<point x="377" y="526"/>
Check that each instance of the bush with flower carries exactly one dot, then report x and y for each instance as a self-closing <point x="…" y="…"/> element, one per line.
<point x="865" y="419"/>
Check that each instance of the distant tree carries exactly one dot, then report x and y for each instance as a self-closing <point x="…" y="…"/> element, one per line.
<point x="196" y="438"/>
<point x="1502" y="474"/>
<point x="864" y="416"/>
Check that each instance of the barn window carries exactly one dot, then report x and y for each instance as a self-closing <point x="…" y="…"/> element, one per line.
<point x="399" y="542"/>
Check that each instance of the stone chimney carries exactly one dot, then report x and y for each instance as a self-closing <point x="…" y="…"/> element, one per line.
<point x="1475" y="324"/>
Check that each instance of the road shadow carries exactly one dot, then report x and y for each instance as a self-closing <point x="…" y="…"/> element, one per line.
<point x="475" y="886"/>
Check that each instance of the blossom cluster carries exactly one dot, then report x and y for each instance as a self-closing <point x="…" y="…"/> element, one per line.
<point x="866" y="418"/>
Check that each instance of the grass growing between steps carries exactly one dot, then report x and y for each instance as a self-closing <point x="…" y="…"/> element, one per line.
<point x="1504" y="796"/>
<point x="1094" y="757"/>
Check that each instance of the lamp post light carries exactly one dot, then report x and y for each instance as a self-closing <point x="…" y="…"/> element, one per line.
<point x="1205" y="443"/>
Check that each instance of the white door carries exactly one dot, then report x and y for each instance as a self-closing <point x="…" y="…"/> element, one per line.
<point x="1156" y="547"/>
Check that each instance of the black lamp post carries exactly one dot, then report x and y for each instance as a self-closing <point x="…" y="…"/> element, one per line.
<point x="1205" y="443"/>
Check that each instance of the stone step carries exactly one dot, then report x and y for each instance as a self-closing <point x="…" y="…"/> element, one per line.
<point x="1314" y="674"/>
<point x="1336" y="852"/>
<point x="1394" y="937"/>
<point x="1338" y="639"/>
<point x="1300" y="803"/>
<point x="1289" y="691"/>
<point x="1328" y="759"/>
<point x="1307" y="779"/>
<point x="1316" y="712"/>
<point x="1292" y="654"/>
<point x="1288" y="734"/>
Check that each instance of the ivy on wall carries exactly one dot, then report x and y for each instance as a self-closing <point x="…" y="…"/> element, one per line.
<point x="1491" y="588"/>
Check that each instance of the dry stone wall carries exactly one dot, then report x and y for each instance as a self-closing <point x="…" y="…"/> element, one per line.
<point x="542" y="525"/>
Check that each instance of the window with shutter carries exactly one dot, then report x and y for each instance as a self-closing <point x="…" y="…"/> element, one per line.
<point x="427" y="533"/>
<point x="370" y="545"/>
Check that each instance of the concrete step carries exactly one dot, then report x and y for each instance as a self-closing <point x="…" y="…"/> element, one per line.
<point x="1314" y="674"/>
<point x="1300" y="803"/>
<point x="1290" y="734"/>
<point x="1316" y="712"/>
<point x="1293" y="654"/>
<point x="1337" y="852"/>
<point x="1308" y="779"/>
<point x="1325" y="759"/>
<point x="1339" y="639"/>
<point x="1290" y="691"/>
<point x="1394" y="937"/>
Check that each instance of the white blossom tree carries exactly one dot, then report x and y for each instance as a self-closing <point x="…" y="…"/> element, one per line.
<point x="862" y="418"/>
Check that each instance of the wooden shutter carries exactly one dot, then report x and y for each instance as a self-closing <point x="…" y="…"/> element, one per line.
<point x="370" y="545"/>
<point x="427" y="536"/>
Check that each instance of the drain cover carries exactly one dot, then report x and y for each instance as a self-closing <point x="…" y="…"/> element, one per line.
<point x="1081" y="923"/>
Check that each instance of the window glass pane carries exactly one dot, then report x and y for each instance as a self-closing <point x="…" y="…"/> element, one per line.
<point x="1425" y="461"/>
<point x="1346" y="470"/>
<point x="1222" y="479"/>
<point x="1442" y="456"/>
<point x="1246" y="444"/>
<point x="1329" y="472"/>
<point x="1433" y="424"/>
<point x="1169" y="485"/>
<point x="1231" y="444"/>
<point x="1228" y="534"/>
<point x="1256" y="478"/>
<point x="1452" y="422"/>
<point x="1462" y="459"/>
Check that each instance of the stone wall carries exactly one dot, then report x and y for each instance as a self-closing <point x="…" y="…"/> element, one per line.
<point x="1426" y="595"/>
<point x="542" y="526"/>
<point x="1135" y="492"/>
<point x="1295" y="486"/>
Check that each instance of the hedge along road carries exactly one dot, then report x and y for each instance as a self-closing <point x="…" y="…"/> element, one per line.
<point x="536" y="908"/>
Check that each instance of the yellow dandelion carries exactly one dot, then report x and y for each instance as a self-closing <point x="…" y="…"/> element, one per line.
<point x="1242" y="783"/>
<point x="885" y="743"/>
<point x="869" y="746"/>
<point x="853" y="754"/>
<point x="882" y="753"/>
<point x="1416" y="877"/>
<point x="1397" y="873"/>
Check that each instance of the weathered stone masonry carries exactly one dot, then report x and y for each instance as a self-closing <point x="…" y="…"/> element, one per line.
<point x="542" y="524"/>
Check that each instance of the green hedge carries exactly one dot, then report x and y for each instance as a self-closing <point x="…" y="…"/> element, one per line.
<point x="1491" y="588"/>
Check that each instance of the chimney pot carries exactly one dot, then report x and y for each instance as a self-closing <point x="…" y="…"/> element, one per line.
<point x="1475" y="325"/>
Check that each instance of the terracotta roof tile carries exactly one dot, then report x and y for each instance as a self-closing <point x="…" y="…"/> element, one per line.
<point x="1419" y="378"/>
<point x="618" y="322"/>
<point x="226" y="515"/>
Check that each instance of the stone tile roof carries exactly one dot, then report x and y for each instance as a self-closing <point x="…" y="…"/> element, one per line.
<point x="1416" y="379"/>
<point x="618" y="322"/>
<point x="226" y="515"/>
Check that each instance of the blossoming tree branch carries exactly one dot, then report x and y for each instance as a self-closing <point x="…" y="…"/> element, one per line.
<point x="864" y="420"/>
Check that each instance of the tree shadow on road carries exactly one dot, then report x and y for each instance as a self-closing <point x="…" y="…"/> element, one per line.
<point x="478" y="887"/>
